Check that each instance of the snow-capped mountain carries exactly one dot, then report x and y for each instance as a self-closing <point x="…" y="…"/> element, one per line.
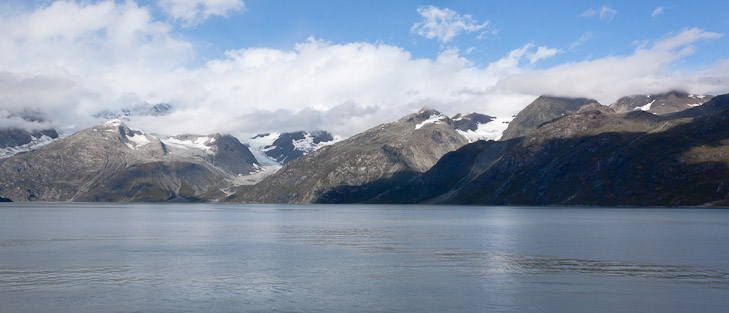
<point x="15" y="140"/>
<point x="391" y="151"/>
<point x="282" y="148"/>
<point x="476" y="126"/>
<point x="112" y="162"/>
<point x="661" y="104"/>
<point x="141" y="109"/>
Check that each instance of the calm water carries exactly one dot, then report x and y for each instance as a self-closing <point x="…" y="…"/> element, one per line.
<point x="239" y="258"/>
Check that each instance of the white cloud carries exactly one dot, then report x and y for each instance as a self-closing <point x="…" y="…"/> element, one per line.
<point x="584" y="38"/>
<point x="11" y="120"/>
<point x="542" y="53"/>
<point x="71" y="59"/>
<point x="647" y="70"/>
<point x="657" y="11"/>
<point x="605" y="13"/>
<point x="445" y="24"/>
<point x="192" y="12"/>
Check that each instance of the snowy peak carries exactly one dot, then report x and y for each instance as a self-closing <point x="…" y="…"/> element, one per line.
<point x="660" y="104"/>
<point x="15" y="141"/>
<point x="24" y="131"/>
<point x="222" y="151"/>
<point x="204" y="143"/>
<point x="472" y="126"/>
<point x="141" y="109"/>
<point x="425" y="117"/>
<point x="476" y="126"/>
<point x="282" y="148"/>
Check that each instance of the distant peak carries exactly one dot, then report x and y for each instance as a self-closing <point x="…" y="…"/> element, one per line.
<point x="428" y="111"/>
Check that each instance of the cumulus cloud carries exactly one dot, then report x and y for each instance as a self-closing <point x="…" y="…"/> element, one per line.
<point x="445" y="24"/>
<point x="604" y="13"/>
<point x="647" y="70"/>
<point x="71" y="58"/>
<point x="192" y="12"/>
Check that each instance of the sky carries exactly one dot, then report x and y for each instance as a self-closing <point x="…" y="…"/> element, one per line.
<point x="255" y="66"/>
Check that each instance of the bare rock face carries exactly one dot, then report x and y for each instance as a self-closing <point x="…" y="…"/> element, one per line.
<point x="542" y="110"/>
<point x="111" y="162"/>
<point x="412" y="144"/>
<point x="471" y="121"/>
<point x="660" y="104"/>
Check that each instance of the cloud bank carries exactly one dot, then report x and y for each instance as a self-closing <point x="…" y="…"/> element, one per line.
<point x="71" y="59"/>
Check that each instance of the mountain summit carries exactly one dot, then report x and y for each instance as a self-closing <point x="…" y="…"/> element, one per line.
<point x="111" y="162"/>
<point x="660" y="104"/>
<point x="389" y="151"/>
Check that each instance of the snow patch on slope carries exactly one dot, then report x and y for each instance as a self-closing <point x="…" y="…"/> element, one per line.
<point x="489" y="131"/>
<point x="138" y="140"/>
<point x="201" y="143"/>
<point x="263" y="143"/>
<point x="34" y="144"/>
<point x="433" y="119"/>
<point x="259" y="144"/>
<point x="307" y="144"/>
<point x="645" y="107"/>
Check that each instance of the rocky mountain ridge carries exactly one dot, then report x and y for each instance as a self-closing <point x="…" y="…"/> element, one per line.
<point x="594" y="156"/>
<point x="111" y="162"/>
<point x="556" y="151"/>
<point x="660" y="104"/>
<point x="542" y="110"/>
<point x="410" y="145"/>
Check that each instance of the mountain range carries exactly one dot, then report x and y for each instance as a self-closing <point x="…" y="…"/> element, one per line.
<point x="648" y="150"/>
<point x="111" y="162"/>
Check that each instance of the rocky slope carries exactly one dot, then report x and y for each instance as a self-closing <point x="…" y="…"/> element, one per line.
<point x="542" y="110"/>
<point x="660" y="104"/>
<point x="110" y="162"/>
<point x="592" y="157"/>
<point x="408" y="146"/>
